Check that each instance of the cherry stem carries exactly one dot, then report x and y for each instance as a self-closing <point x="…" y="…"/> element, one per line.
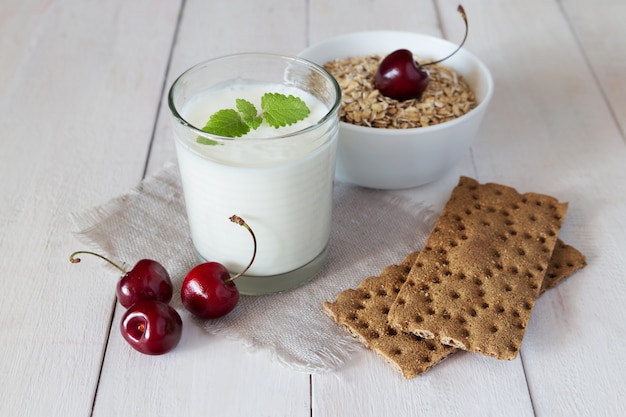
<point x="75" y="260"/>
<point x="461" y="10"/>
<point x="236" y="219"/>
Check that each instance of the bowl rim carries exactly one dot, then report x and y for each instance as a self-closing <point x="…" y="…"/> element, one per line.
<point x="424" y="129"/>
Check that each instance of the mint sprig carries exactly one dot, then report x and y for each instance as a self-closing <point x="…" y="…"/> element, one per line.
<point x="277" y="110"/>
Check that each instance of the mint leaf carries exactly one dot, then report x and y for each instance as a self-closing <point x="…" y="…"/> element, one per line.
<point x="280" y="110"/>
<point x="277" y="110"/>
<point x="249" y="113"/>
<point x="228" y="123"/>
<point x="204" y="141"/>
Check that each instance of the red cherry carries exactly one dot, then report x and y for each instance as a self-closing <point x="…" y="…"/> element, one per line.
<point x="147" y="280"/>
<point x="151" y="327"/>
<point x="208" y="290"/>
<point x="399" y="76"/>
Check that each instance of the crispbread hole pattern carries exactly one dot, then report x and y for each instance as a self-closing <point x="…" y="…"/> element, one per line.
<point x="568" y="261"/>
<point x="365" y="311"/>
<point x="373" y="299"/>
<point x="509" y="226"/>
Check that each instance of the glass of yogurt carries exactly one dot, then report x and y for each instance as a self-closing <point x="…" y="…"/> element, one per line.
<point x="279" y="180"/>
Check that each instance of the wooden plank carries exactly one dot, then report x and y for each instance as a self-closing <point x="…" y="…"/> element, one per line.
<point x="561" y="137"/>
<point x="205" y="375"/>
<point x="601" y="35"/>
<point x="209" y="30"/>
<point x="332" y="18"/>
<point x="76" y="109"/>
<point x="464" y="385"/>
<point x="208" y="375"/>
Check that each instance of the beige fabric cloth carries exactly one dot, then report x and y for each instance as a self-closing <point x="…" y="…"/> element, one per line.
<point x="370" y="230"/>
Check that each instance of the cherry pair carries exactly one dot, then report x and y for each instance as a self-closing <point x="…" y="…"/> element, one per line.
<point x="150" y="325"/>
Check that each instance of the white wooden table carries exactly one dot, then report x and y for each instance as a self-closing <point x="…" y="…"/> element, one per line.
<point x="82" y="120"/>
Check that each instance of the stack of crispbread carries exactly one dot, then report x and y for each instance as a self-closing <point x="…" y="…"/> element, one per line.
<point x="490" y="254"/>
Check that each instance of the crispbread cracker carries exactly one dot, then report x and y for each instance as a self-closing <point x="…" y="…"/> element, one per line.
<point x="475" y="283"/>
<point x="565" y="261"/>
<point x="363" y="312"/>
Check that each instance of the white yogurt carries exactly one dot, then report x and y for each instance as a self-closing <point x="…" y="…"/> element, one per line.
<point x="280" y="185"/>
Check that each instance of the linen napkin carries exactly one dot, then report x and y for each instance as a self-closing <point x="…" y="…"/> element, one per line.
<point x="370" y="230"/>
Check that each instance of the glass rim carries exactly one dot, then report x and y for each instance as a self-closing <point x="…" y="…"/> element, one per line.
<point x="318" y="68"/>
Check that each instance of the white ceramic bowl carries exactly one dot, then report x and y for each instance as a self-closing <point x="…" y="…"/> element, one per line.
<point x="403" y="158"/>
